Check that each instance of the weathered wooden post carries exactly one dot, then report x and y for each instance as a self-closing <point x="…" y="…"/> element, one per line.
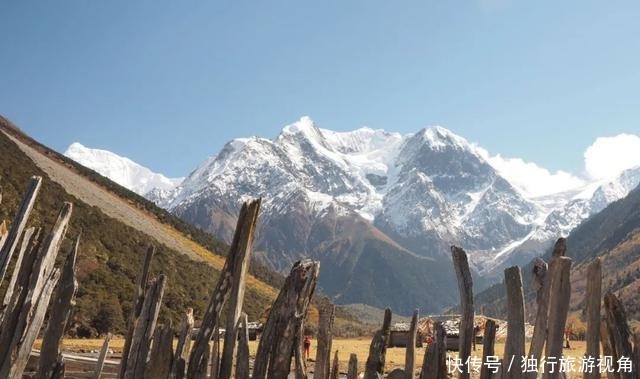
<point x="608" y="349"/>
<point x="465" y="287"/>
<point x="101" y="358"/>
<point x="374" y="368"/>
<point x="138" y="300"/>
<point x="281" y="334"/>
<point x="514" y="346"/>
<point x="542" y="278"/>
<point x="230" y="281"/>
<point x="241" y="248"/>
<point x="242" y="360"/>
<point x="620" y="333"/>
<point x="215" y="354"/>
<point x="181" y="356"/>
<point x="335" y="367"/>
<point x="299" y="357"/>
<point x="323" y="351"/>
<point x="25" y="314"/>
<point x="488" y="347"/>
<point x="19" y="222"/>
<point x="410" y="354"/>
<point x="435" y="364"/>
<point x="161" y="357"/>
<point x="558" y="310"/>
<point x="593" y="301"/>
<point x="352" y="373"/>
<point x="28" y="246"/>
<point x="144" y="329"/>
<point x="50" y="364"/>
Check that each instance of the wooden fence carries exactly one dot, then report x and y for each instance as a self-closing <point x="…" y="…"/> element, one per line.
<point x="36" y="285"/>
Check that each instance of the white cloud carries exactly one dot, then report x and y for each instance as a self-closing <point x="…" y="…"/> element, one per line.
<point x="609" y="156"/>
<point x="605" y="159"/>
<point x="532" y="179"/>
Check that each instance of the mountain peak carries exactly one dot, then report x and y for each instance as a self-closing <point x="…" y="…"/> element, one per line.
<point x="304" y="126"/>
<point x="440" y="137"/>
<point x="121" y="170"/>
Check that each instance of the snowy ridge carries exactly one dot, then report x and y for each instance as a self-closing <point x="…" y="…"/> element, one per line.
<point x="568" y="214"/>
<point x="424" y="191"/>
<point x="422" y="188"/>
<point x="122" y="170"/>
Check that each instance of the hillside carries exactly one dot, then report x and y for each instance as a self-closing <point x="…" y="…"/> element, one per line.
<point x="117" y="226"/>
<point x="614" y="236"/>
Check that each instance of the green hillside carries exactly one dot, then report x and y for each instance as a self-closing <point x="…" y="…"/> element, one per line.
<point x="614" y="236"/>
<point x="111" y="252"/>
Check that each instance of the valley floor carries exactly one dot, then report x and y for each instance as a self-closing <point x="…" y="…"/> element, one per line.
<point x="359" y="346"/>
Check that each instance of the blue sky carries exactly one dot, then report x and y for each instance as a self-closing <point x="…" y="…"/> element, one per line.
<point x="167" y="83"/>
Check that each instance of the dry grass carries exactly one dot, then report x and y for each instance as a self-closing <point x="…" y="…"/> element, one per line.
<point x="359" y="346"/>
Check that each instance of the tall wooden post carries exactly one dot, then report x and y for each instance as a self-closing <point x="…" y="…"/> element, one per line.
<point x="214" y="348"/>
<point x="230" y="281"/>
<point x="161" y="356"/>
<point x="241" y="248"/>
<point x="50" y="363"/>
<point x="619" y="329"/>
<point x="352" y="373"/>
<point x="323" y="351"/>
<point x="542" y="276"/>
<point x="242" y="361"/>
<point x="608" y="349"/>
<point x="144" y="329"/>
<point x="410" y="354"/>
<point x="181" y="356"/>
<point x="335" y="367"/>
<point x="488" y="347"/>
<point x="25" y="314"/>
<point x="138" y="300"/>
<point x="434" y="365"/>
<point x="558" y="310"/>
<point x="281" y="334"/>
<point x="19" y="222"/>
<point x="28" y="246"/>
<point x="514" y="346"/>
<point x="465" y="288"/>
<point x="593" y="301"/>
<point x="374" y="368"/>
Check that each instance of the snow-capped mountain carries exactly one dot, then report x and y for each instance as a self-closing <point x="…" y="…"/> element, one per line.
<point x="123" y="171"/>
<point x="559" y="222"/>
<point x="423" y="191"/>
<point x="370" y="201"/>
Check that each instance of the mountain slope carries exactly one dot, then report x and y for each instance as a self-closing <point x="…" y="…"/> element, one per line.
<point x="577" y="208"/>
<point x="409" y="196"/>
<point x="116" y="230"/>
<point x="613" y="235"/>
<point x="369" y="201"/>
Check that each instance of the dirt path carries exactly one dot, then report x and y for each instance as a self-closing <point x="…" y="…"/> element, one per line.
<point x="109" y="203"/>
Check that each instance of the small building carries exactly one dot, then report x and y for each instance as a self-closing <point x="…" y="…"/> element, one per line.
<point x="399" y="335"/>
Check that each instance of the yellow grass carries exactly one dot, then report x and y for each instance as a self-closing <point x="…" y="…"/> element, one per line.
<point x="359" y="346"/>
<point x="217" y="261"/>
